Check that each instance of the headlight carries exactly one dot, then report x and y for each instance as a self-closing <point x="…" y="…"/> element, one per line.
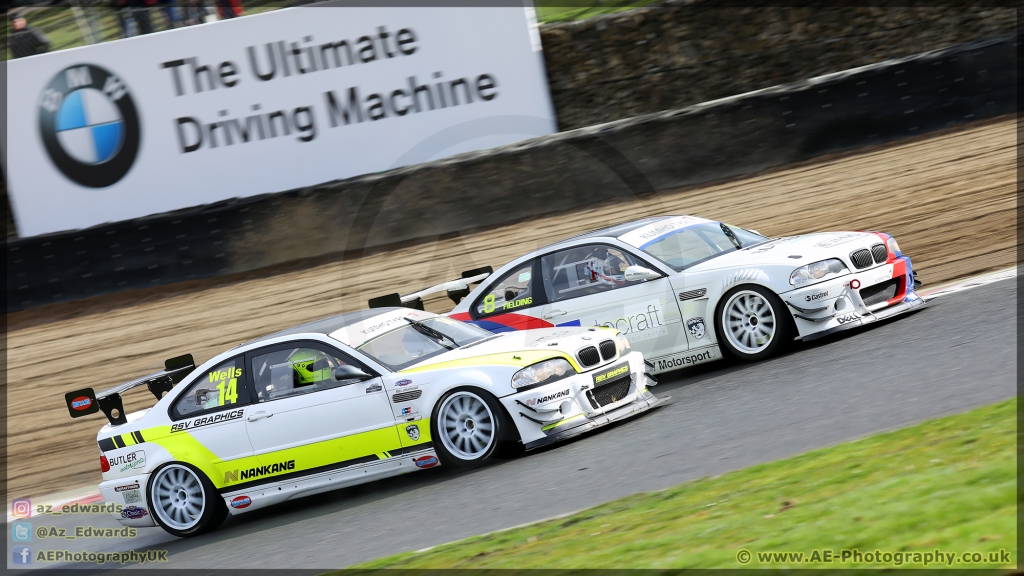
<point x="622" y="343"/>
<point x="893" y="246"/>
<point x="816" y="271"/>
<point x="544" y="372"/>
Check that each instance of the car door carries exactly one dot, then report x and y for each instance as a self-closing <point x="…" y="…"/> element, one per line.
<point x="585" y="286"/>
<point x="212" y="411"/>
<point x="305" y="419"/>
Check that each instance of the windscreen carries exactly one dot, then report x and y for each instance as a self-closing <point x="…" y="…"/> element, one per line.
<point x="406" y="344"/>
<point x="683" y="248"/>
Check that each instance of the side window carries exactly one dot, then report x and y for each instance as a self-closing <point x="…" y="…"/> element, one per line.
<point x="221" y="387"/>
<point x="513" y="291"/>
<point x="585" y="270"/>
<point x="296" y="370"/>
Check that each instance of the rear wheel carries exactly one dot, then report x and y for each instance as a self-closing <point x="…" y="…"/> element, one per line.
<point x="467" y="426"/>
<point x="752" y="323"/>
<point x="184" y="502"/>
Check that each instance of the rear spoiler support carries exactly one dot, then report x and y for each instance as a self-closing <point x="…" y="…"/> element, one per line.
<point x="85" y="401"/>
<point x="456" y="289"/>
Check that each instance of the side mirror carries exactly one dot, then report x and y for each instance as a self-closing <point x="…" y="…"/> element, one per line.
<point x="349" y="373"/>
<point x="634" y="273"/>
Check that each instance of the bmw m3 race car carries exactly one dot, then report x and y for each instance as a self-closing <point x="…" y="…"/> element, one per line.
<point x="681" y="288"/>
<point x="347" y="400"/>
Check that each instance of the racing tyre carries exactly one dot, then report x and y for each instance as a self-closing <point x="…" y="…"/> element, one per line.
<point x="753" y="324"/>
<point x="184" y="502"/>
<point x="467" y="426"/>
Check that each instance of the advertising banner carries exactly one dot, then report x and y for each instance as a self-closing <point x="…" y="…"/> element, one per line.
<point x="263" y="103"/>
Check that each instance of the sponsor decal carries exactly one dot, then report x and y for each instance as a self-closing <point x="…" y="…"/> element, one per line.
<point x="550" y="397"/>
<point x="89" y="125"/>
<point x="132" y="496"/>
<point x="241" y="502"/>
<point x="81" y="403"/>
<point x="133" y="512"/>
<point x="645" y="323"/>
<point x="841" y="239"/>
<point x="133" y="461"/>
<point x="818" y="296"/>
<point x="696" y="327"/>
<point x="678" y="361"/>
<point x="403" y="382"/>
<point x="555" y="335"/>
<point x="126" y="487"/>
<point x="846" y="318"/>
<point x="611" y="373"/>
<point x="413" y="431"/>
<point x="407" y="410"/>
<point x="253" y="473"/>
<point x="374" y="388"/>
<point x="426" y="461"/>
<point x="641" y="236"/>
<point x="387" y="323"/>
<point x="207" y="420"/>
<point x="885" y="275"/>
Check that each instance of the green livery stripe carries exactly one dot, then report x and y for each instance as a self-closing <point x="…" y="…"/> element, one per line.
<point x="521" y="359"/>
<point x="561" y="422"/>
<point x="359" y="448"/>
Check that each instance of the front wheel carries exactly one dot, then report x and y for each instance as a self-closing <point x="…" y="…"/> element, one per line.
<point x="752" y="323"/>
<point x="467" y="426"/>
<point x="184" y="502"/>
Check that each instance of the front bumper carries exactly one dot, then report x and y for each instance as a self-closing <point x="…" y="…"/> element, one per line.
<point x="572" y="406"/>
<point x="854" y="299"/>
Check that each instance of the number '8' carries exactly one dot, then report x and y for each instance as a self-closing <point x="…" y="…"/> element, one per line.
<point x="489" y="304"/>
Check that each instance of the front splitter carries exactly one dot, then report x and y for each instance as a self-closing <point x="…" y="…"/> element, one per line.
<point x="646" y="401"/>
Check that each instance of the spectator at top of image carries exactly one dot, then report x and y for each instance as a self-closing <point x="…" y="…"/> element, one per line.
<point x="26" y="40"/>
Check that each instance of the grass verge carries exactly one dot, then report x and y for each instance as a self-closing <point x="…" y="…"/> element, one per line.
<point x="947" y="484"/>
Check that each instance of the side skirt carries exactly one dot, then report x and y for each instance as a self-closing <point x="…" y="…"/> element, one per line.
<point x="247" y="500"/>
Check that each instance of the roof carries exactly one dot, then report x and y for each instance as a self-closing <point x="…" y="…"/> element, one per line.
<point x="611" y="231"/>
<point x="327" y="325"/>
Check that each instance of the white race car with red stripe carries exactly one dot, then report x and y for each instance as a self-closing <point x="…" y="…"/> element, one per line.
<point x="683" y="289"/>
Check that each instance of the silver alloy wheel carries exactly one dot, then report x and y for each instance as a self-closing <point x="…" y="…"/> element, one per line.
<point x="178" y="497"/>
<point x="749" y="322"/>
<point x="466" y="425"/>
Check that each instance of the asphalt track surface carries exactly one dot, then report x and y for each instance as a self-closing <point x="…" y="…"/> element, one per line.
<point x="958" y="354"/>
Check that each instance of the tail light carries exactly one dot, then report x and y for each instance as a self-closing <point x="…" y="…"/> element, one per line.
<point x="104" y="465"/>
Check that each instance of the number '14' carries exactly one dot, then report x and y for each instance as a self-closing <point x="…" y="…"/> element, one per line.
<point x="228" y="391"/>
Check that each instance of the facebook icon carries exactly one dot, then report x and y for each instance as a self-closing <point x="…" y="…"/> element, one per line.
<point x="21" y="555"/>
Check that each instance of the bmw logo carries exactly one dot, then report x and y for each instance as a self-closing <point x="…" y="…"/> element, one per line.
<point x="89" y="125"/>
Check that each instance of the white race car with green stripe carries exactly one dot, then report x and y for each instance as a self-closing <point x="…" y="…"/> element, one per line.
<point x="346" y="400"/>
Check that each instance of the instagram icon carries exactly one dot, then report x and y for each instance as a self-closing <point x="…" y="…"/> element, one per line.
<point x="21" y="508"/>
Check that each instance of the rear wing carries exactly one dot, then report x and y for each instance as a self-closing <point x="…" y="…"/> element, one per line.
<point x="84" y="402"/>
<point x="456" y="289"/>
